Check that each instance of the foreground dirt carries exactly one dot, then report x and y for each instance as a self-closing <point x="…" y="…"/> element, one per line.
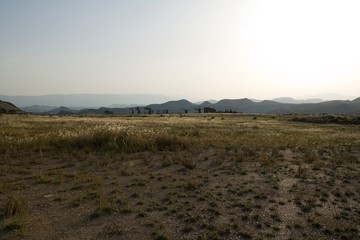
<point x="196" y="194"/>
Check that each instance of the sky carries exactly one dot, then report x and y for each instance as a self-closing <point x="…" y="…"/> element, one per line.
<point x="195" y="49"/>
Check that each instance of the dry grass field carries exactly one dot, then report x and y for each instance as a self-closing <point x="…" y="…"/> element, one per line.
<point x="215" y="176"/>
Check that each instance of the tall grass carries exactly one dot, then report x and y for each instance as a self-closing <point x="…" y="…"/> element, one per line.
<point x="123" y="141"/>
<point x="46" y="134"/>
<point x="29" y="133"/>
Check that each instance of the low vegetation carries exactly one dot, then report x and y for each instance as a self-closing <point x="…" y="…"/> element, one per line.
<point x="193" y="176"/>
<point x="328" y="119"/>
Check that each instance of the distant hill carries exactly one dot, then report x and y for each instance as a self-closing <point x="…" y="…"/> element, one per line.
<point x="62" y="111"/>
<point x="174" y="106"/>
<point x="38" y="108"/>
<point x="239" y="105"/>
<point x="356" y="100"/>
<point x="7" y="107"/>
<point x="210" y="101"/>
<point x="330" y="107"/>
<point x="103" y="110"/>
<point x="124" y="105"/>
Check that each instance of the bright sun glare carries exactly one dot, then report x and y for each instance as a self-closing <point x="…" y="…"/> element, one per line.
<point x="305" y="40"/>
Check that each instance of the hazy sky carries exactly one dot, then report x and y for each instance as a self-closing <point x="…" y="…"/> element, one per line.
<point x="199" y="49"/>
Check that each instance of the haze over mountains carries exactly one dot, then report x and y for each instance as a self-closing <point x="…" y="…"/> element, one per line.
<point x="296" y="101"/>
<point x="117" y="100"/>
<point x="84" y="100"/>
<point x="229" y="105"/>
<point x="115" y="104"/>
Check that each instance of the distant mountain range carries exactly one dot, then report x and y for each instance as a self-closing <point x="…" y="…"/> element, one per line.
<point x="79" y="101"/>
<point x="281" y="105"/>
<point x="227" y="105"/>
<point x="84" y="100"/>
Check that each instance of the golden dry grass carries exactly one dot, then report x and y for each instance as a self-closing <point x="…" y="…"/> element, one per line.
<point x="201" y="176"/>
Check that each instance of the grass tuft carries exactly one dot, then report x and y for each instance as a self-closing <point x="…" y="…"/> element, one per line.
<point x="14" y="207"/>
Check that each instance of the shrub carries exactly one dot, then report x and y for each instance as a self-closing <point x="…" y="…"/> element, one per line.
<point x="14" y="207"/>
<point x="170" y="143"/>
<point x="101" y="139"/>
<point x="123" y="140"/>
<point x="187" y="161"/>
<point x="80" y="142"/>
<point x="132" y="143"/>
<point x="311" y="156"/>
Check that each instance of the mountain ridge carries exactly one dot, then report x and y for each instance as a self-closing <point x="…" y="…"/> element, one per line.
<point x="243" y="105"/>
<point x="84" y="100"/>
<point x="77" y="101"/>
